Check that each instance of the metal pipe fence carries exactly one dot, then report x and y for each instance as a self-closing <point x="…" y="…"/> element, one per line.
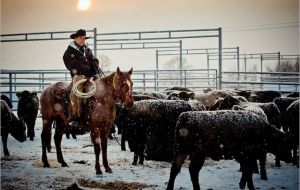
<point x="13" y="81"/>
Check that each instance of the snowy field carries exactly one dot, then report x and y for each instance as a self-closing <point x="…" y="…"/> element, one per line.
<point x="23" y="169"/>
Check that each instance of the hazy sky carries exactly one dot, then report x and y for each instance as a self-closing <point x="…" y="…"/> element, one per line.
<point x="265" y="19"/>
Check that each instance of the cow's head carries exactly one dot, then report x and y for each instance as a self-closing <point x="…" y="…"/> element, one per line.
<point x="17" y="129"/>
<point x="26" y="95"/>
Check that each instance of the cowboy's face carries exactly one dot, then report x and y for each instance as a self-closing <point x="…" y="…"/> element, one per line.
<point x="80" y="40"/>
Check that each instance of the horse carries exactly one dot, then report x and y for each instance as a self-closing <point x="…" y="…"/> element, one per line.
<point x="100" y="116"/>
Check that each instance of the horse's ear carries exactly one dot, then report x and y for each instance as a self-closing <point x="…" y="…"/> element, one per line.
<point x="130" y="71"/>
<point x="118" y="71"/>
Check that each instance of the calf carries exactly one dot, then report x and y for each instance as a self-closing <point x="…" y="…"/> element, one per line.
<point x="10" y="124"/>
<point x="28" y="107"/>
<point x="228" y="134"/>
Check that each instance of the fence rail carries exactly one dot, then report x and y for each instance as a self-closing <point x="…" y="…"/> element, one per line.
<point x="13" y="81"/>
<point x="280" y="81"/>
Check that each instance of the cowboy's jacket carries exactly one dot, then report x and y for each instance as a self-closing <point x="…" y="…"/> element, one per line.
<point x="79" y="63"/>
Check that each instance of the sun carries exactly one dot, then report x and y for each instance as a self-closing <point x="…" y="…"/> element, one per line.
<point x="83" y="5"/>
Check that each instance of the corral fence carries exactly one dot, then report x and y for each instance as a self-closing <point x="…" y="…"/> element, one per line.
<point x="13" y="81"/>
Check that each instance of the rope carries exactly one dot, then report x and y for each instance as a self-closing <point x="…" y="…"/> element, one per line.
<point x="80" y="94"/>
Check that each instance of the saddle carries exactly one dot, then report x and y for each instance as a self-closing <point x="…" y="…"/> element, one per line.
<point x="61" y="91"/>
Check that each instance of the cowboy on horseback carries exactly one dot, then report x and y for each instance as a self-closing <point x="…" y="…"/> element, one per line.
<point x="82" y="64"/>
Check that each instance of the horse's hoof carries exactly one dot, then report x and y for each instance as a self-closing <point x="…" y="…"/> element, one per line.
<point x="134" y="163"/>
<point x="242" y="185"/>
<point x="46" y="165"/>
<point x="31" y="139"/>
<point x="6" y="153"/>
<point x="108" y="170"/>
<point x="141" y="163"/>
<point x="263" y="178"/>
<point x="64" y="164"/>
<point x="99" y="172"/>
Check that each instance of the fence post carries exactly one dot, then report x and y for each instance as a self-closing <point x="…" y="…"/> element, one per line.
<point x="185" y="78"/>
<point x="157" y="65"/>
<point x="15" y="80"/>
<point x="261" y="69"/>
<point x="220" y="58"/>
<point x="245" y="70"/>
<point x="180" y="43"/>
<point x="279" y="69"/>
<point x="155" y="80"/>
<point x="43" y="81"/>
<point x="216" y="76"/>
<point x="144" y="82"/>
<point x="10" y="86"/>
<point x="207" y="68"/>
<point x="238" y="65"/>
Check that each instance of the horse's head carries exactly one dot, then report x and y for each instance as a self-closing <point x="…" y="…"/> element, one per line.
<point x="123" y="85"/>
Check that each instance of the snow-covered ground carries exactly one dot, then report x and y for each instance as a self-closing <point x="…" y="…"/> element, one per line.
<point x="23" y="169"/>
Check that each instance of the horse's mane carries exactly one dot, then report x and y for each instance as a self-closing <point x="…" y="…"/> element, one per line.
<point x="109" y="78"/>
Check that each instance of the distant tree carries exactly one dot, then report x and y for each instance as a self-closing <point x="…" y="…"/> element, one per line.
<point x="104" y="63"/>
<point x="174" y="64"/>
<point x="285" y="66"/>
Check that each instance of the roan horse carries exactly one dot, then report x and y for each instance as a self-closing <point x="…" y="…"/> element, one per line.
<point x="100" y="116"/>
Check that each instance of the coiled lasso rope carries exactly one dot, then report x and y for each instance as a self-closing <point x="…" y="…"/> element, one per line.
<point x="80" y="94"/>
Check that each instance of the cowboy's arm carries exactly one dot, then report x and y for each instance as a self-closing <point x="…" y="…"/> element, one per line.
<point x="75" y="66"/>
<point x="95" y="62"/>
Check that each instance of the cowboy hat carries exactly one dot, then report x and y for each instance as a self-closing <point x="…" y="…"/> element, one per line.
<point x="80" y="32"/>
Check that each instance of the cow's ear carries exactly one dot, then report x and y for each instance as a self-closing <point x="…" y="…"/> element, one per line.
<point x="18" y="94"/>
<point x="192" y="95"/>
<point x="33" y="94"/>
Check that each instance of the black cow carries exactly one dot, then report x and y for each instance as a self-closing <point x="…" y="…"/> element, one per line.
<point x="228" y="134"/>
<point x="28" y="107"/>
<point x="10" y="124"/>
<point x="149" y="127"/>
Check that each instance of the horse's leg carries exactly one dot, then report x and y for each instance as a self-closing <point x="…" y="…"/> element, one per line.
<point x="46" y="140"/>
<point x="4" y="134"/>
<point x="59" y="131"/>
<point x="95" y="138"/>
<point x="123" y="146"/>
<point x="135" y="158"/>
<point x="175" y="169"/>
<point x="195" y="166"/>
<point x="104" y="153"/>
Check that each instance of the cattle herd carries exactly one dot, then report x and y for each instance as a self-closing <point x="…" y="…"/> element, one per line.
<point x="178" y="124"/>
